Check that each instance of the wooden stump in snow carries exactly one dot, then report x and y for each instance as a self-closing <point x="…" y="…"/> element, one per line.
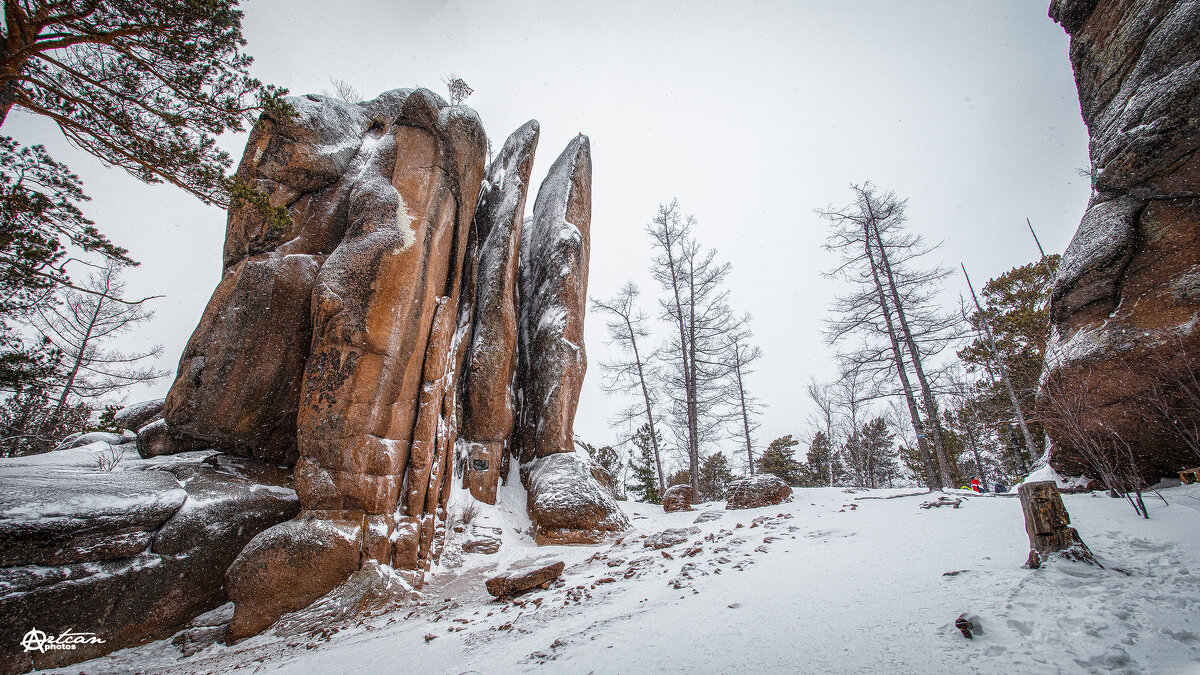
<point x="1049" y="525"/>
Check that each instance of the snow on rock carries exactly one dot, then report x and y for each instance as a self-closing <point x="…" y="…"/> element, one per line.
<point x="677" y="498"/>
<point x="763" y="489"/>
<point x="131" y="554"/>
<point x="553" y="299"/>
<point x="57" y="516"/>
<point x="567" y="504"/>
<point x="1123" y="327"/>
<point x="523" y="580"/>
<point x="137" y="415"/>
<point x="490" y="308"/>
<point x="77" y="440"/>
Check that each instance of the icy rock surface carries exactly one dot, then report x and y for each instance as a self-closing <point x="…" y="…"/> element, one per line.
<point x="131" y="554"/>
<point x="1123" y="319"/>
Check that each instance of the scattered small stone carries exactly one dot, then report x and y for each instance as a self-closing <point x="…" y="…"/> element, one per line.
<point x="430" y="636"/>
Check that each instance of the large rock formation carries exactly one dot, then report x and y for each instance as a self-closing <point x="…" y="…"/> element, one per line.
<point x="385" y="313"/>
<point x="490" y="370"/>
<point x="1122" y="357"/>
<point x="130" y="555"/>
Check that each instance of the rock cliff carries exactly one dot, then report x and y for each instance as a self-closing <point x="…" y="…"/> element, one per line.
<point x="1127" y="294"/>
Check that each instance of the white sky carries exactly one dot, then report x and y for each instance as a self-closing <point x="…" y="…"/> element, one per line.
<point x="752" y="114"/>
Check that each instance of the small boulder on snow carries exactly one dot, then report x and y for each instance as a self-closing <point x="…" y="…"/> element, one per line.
<point x="669" y="537"/>
<point x="80" y="440"/>
<point x="677" y="498"/>
<point x="761" y="490"/>
<point x="523" y="580"/>
<point x="567" y="504"/>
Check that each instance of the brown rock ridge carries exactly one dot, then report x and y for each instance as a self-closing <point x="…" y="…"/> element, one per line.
<point x="1126" y="298"/>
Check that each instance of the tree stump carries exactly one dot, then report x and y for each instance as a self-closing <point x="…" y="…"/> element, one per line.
<point x="1049" y="525"/>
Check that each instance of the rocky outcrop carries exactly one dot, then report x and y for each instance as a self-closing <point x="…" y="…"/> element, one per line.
<point x="375" y="421"/>
<point x="762" y="490"/>
<point x="1121" y="357"/>
<point x="130" y="555"/>
<point x="491" y="284"/>
<point x="238" y="387"/>
<point x="677" y="498"/>
<point x="384" y="308"/>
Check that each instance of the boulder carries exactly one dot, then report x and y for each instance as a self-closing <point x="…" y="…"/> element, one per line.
<point x="137" y="415"/>
<point x="567" y="504"/>
<point x="514" y="582"/>
<point x="131" y="555"/>
<point x="238" y="387"/>
<point x="763" y="489"/>
<point x="677" y="498"/>
<point x="158" y="438"/>
<point x="1120" y="365"/>
<point x="490" y="300"/>
<point x="669" y="537"/>
<point x="287" y="567"/>
<point x="553" y="278"/>
<point x="79" y="440"/>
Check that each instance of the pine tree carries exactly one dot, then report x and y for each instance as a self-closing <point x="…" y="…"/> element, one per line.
<point x="816" y="469"/>
<point x="715" y="477"/>
<point x="779" y="459"/>
<point x="643" y="468"/>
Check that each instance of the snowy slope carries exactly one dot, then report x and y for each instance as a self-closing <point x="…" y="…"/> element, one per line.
<point x="832" y="582"/>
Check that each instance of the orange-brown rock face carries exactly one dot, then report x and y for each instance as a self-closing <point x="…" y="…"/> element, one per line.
<point x="491" y="303"/>
<point x="377" y="399"/>
<point x="553" y="277"/>
<point x="238" y="386"/>
<point x="341" y="339"/>
<point x="1121" y="364"/>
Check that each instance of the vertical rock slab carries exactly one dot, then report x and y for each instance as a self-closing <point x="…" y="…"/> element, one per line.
<point x="566" y="502"/>
<point x="374" y="304"/>
<point x="490" y="306"/>
<point x="1126" y="297"/>
<point x="553" y="278"/>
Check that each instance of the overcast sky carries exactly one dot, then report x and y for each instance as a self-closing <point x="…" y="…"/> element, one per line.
<point x="752" y="114"/>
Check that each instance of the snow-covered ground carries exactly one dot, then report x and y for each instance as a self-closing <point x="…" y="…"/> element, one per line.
<point x="835" y="581"/>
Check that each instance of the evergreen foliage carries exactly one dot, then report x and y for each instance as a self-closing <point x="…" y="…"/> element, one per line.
<point x="778" y="459"/>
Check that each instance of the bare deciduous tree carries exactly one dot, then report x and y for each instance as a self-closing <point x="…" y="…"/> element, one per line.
<point x="696" y="306"/>
<point x="890" y="297"/>
<point x="81" y="326"/>
<point x="746" y="407"/>
<point x="633" y="373"/>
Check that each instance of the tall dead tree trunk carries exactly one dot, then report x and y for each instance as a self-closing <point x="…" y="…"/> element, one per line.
<point x="931" y="409"/>
<point x="1000" y="366"/>
<point x="914" y="411"/>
